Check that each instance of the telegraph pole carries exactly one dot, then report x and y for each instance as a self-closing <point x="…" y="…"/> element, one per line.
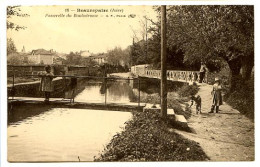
<point x="163" y="63"/>
<point x="146" y="47"/>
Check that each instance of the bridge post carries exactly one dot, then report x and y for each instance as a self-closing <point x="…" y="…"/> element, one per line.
<point x="13" y="82"/>
<point x="163" y="63"/>
<point x="138" y="92"/>
<point x="105" y="91"/>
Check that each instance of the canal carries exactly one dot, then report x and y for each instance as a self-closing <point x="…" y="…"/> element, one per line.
<point x="66" y="134"/>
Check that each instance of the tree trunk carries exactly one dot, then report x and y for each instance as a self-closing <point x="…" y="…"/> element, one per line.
<point x="235" y="66"/>
<point x="247" y="66"/>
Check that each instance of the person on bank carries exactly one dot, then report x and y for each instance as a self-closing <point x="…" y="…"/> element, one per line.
<point x="216" y="95"/>
<point x="203" y="70"/>
<point x="46" y="84"/>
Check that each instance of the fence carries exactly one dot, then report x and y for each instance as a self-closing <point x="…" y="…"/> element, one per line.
<point x="23" y="70"/>
<point x="182" y="76"/>
<point x="174" y="75"/>
<point x="13" y="90"/>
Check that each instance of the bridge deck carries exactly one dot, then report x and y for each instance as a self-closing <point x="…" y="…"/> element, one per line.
<point x="65" y="103"/>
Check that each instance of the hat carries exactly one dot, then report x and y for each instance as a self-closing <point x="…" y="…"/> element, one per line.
<point x="217" y="79"/>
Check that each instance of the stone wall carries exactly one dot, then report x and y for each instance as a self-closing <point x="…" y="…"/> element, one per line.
<point x="31" y="89"/>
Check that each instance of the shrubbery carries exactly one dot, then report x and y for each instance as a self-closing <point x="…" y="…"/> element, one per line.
<point x="173" y="101"/>
<point x="188" y="90"/>
<point x="243" y="98"/>
<point x="147" y="138"/>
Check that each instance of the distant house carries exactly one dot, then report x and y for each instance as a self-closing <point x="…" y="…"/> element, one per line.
<point x="99" y="58"/>
<point x="59" y="58"/>
<point x="85" y="53"/>
<point x="41" y="56"/>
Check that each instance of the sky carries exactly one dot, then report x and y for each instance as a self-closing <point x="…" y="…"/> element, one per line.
<point x="65" y="34"/>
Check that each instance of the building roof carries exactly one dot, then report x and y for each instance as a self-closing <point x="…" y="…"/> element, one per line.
<point x="98" y="56"/>
<point x="42" y="52"/>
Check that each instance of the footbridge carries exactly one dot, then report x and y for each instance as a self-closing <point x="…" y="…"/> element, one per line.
<point x="173" y="75"/>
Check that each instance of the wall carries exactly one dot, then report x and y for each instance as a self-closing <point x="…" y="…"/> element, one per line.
<point x="46" y="59"/>
<point x="31" y="89"/>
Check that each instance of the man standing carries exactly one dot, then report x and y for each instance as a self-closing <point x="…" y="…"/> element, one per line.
<point x="203" y="70"/>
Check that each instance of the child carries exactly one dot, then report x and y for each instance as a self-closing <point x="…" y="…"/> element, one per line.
<point x="217" y="97"/>
<point x="198" y="103"/>
<point x="46" y="85"/>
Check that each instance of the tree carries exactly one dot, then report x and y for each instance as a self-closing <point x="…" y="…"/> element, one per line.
<point x="14" y="11"/>
<point x="73" y="59"/>
<point x="138" y="53"/>
<point x="118" y="57"/>
<point x="11" y="48"/>
<point x="215" y="32"/>
<point x="14" y="59"/>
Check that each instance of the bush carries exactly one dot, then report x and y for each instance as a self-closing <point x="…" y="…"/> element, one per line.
<point x="188" y="90"/>
<point x="173" y="101"/>
<point x="242" y="98"/>
<point x="146" y="138"/>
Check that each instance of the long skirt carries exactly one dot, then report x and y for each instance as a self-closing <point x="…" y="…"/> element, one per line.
<point x="217" y="98"/>
<point x="46" y="84"/>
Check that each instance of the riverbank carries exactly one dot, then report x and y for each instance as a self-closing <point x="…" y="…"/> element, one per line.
<point x="148" y="137"/>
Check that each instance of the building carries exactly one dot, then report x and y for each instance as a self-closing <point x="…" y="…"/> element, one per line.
<point x="99" y="58"/>
<point x="85" y="53"/>
<point x="41" y="56"/>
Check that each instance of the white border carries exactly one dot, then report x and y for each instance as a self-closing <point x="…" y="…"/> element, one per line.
<point x="3" y="85"/>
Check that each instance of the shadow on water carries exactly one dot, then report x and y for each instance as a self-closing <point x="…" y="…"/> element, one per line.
<point x="117" y="91"/>
<point x="20" y="112"/>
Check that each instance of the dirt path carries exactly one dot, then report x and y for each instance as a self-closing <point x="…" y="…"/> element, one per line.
<point x="226" y="136"/>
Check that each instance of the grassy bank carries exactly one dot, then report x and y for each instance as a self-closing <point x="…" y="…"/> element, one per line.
<point x="148" y="137"/>
<point x="175" y="100"/>
<point x="242" y="98"/>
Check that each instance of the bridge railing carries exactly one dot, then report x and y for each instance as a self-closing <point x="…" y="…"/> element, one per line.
<point x="183" y="76"/>
<point x="61" y="86"/>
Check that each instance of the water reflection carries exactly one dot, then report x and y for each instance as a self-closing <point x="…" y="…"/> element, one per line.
<point x="41" y="133"/>
<point x="63" y="134"/>
<point x="111" y="91"/>
<point x="121" y="91"/>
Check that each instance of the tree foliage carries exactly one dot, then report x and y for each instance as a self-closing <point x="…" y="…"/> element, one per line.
<point x="73" y="59"/>
<point x="210" y="33"/>
<point x="14" y="11"/>
<point x="118" y="56"/>
<point x="14" y="59"/>
<point x="11" y="48"/>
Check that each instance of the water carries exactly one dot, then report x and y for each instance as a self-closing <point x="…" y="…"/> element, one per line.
<point x="116" y="92"/>
<point x="55" y="134"/>
<point x="63" y="134"/>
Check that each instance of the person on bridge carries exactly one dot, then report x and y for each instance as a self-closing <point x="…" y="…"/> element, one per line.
<point x="203" y="70"/>
<point x="216" y="94"/>
<point x="46" y="85"/>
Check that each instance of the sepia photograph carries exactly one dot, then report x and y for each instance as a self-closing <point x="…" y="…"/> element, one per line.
<point x="136" y="83"/>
